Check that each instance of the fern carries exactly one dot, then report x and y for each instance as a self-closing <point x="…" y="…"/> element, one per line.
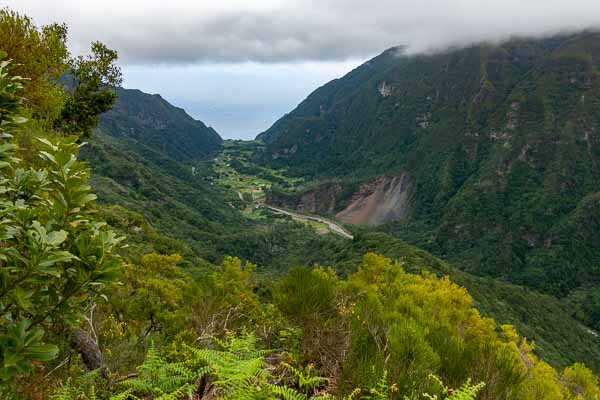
<point x="353" y="395"/>
<point x="126" y="395"/>
<point x="467" y="391"/>
<point x="185" y="391"/>
<point x="382" y="389"/>
<point x="162" y="379"/>
<point x="237" y="371"/>
<point x="83" y="388"/>
<point x="307" y="381"/>
<point x="287" y="393"/>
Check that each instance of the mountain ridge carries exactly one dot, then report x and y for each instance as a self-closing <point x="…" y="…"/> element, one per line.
<point x="500" y="142"/>
<point x="156" y="123"/>
<point x="160" y="179"/>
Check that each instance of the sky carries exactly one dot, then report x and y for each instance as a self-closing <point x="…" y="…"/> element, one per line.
<point x="239" y="65"/>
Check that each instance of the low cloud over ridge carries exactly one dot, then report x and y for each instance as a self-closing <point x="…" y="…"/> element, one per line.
<point x="274" y="31"/>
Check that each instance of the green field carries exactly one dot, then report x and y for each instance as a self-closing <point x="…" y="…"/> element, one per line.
<point x="233" y="169"/>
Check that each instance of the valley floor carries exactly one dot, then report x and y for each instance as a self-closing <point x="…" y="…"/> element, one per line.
<point x="234" y="170"/>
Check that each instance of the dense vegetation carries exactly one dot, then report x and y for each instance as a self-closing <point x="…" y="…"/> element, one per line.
<point x="187" y="205"/>
<point x="86" y="313"/>
<point x="150" y="121"/>
<point x="501" y="145"/>
<point x="204" y="225"/>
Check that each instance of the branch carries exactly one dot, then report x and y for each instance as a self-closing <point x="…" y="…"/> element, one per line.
<point x="63" y="362"/>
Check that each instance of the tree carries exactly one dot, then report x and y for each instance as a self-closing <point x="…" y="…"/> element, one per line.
<point x="155" y="295"/>
<point x="95" y="78"/>
<point x="42" y="56"/>
<point x="310" y="299"/>
<point x="580" y="383"/>
<point x="54" y="256"/>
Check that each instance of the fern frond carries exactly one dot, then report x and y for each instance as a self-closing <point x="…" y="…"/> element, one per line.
<point x="353" y="395"/>
<point x="467" y="391"/>
<point x="238" y="372"/>
<point x="185" y="391"/>
<point x="287" y="393"/>
<point x="126" y="395"/>
<point x="306" y="380"/>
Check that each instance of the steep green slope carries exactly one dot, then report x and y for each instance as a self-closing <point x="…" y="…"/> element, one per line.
<point x="500" y="143"/>
<point x="559" y="337"/>
<point x="161" y="177"/>
<point x="151" y="121"/>
<point x="166" y="193"/>
<point x="180" y="211"/>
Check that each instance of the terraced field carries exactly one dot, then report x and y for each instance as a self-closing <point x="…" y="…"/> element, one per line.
<point x="234" y="170"/>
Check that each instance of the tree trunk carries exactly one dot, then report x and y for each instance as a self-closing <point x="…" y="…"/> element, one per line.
<point x="90" y="353"/>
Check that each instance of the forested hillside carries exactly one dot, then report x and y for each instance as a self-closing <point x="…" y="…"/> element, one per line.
<point x="174" y="190"/>
<point x="150" y="121"/>
<point x="140" y="292"/>
<point x="496" y="147"/>
<point x="201" y="217"/>
<point x="276" y="245"/>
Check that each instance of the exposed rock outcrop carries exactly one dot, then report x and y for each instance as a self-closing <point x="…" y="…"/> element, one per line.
<point x="319" y="200"/>
<point x="383" y="200"/>
<point x="385" y="90"/>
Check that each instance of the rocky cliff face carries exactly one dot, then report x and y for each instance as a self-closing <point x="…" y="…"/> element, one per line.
<point x="319" y="200"/>
<point x="377" y="202"/>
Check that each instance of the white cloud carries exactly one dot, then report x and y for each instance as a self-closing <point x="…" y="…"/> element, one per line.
<point x="240" y="64"/>
<point x="178" y="31"/>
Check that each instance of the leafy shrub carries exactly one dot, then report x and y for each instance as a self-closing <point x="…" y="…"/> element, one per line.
<point x="55" y="256"/>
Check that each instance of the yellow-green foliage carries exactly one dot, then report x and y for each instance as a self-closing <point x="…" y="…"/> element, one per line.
<point x="156" y="294"/>
<point x="232" y="282"/>
<point x="230" y="296"/>
<point x="158" y="299"/>
<point x="416" y="325"/>
<point x="542" y="383"/>
<point x="580" y="383"/>
<point x="380" y="334"/>
<point x="382" y="319"/>
<point x="41" y="55"/>
<point x="309" y="298"/>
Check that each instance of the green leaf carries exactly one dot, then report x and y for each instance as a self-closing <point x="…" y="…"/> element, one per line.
<point x="48" y="156"/>
<point x="48" y="143"/>
<point x="86" y="198"/>
<point x="55" y="238"/>
<point x="57" y="257"/>
<point x="12" y="360"/>
<point x="41" y="352"/>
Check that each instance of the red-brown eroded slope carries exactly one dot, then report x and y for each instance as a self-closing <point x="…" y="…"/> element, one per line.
<point x="383" y="200"/>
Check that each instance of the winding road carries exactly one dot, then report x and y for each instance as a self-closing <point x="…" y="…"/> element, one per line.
<point x="333" y="227"/>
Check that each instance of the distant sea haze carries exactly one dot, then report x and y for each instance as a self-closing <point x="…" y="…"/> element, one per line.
<point x="238" y="100"/>
<point x="234" y="121"/>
